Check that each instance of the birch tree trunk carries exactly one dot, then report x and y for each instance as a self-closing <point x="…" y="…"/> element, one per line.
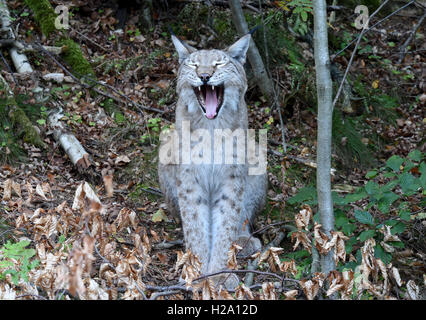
<point x="325" y="113"/>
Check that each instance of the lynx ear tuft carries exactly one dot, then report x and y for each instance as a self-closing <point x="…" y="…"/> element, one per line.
<point x="183" y="49"/>
<point x="239" y="49"/>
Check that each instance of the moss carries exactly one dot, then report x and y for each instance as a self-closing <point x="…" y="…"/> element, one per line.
<point x="43" y="14"/>
<point x="14" y="125"/>
<point x="24" y="125"/>
<point x="74" y="58"/>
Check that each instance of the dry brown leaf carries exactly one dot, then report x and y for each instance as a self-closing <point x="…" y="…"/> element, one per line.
<point x="396" y="276"/>
<point x="224" y="294"/>
<point x="17" y="189"/>
<point x="412" y="290"/>
<point x="242" y="292"/>
<point x="268" y="291"/>
<point x="40" y="192"/>
<point x="291" y="295"/>
<point x="301" y="238"/>
<point x="109" y="188"/>
<point x="191" y="266"/>
<point x="85" y="199"/>
<point x="122" y="160"/>
<point x="232" y="256"/>
<point x="7" y="190"/>
<point x="310" y="288"/>
<point x="303" y="217"/>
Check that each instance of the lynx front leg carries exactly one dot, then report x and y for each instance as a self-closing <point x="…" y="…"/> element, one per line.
<point x="194" y="210"/>
<point x="226" y="216"/>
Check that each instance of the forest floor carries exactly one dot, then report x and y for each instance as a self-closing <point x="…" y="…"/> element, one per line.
<point x="130" y="248"/>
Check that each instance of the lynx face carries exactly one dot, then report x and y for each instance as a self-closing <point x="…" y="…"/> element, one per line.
<point x="215" y="77"/>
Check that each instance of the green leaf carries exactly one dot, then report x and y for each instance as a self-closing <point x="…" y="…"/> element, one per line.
<point x="397" y="244"/>
<point x="389" y="186"/>
<point x="371" y="174"/>
<point x="422" y="178"/>
<point x="367" y="234"/>
<point x="405" y="215"/>
<point x="394" y="163"/>
<point x="389" y="175"/>
<point x="408" y="183"/>
<point x="382" y="254"/>
<point x="304" y="195"/>
<point x="337" y="199"/>
<point x="398" y="228"/>
<point x="341" y="218"/>
<point x="304" y="15"/>
<point x="386" y="201"/>
<point x="360" y="194"/>
<point x="41" y="122"/>
<point x="364" y="217"/>
<point x="348" y="228"/>
<point x="415" y="155"/>
<point x="372" y="188"/>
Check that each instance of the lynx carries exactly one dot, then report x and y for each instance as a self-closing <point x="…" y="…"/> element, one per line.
<point x="216" y="201"/>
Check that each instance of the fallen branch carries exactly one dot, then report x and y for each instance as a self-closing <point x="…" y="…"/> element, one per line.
<point x="306" y="162"/>
<point x="20" y="60"/>
<point x="73" y="148"/>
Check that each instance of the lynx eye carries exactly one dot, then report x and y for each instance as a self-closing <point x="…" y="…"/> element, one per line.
<point x="192" y="64"/>
<point x="220" y="63"/>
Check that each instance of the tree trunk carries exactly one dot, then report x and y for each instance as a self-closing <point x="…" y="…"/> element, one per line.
<point x="325" y="113"/>
<point x="265" y="84"/>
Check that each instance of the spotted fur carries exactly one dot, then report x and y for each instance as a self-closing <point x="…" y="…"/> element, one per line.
<point x="213" y="201"/>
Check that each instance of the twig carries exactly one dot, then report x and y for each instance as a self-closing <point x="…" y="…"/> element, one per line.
<point x="410" y="38"/>
<point x="8" y="67"/>
<point x="282" y="225"/>
<point x="353" y="53"/>
<point x="31" y="295"/>
<point x="270" y="274"/>
<point x="155" y="295"/>
<point x="376" y="24"/>
<point x="306" y="162"/>
<point x="85" y="85"/>
<point x="152" y="191"/>
<point x="88" y="39"/>
<point x="167" y="245"/>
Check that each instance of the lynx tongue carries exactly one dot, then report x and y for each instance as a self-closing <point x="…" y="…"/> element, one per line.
<point x="211" y="102"/>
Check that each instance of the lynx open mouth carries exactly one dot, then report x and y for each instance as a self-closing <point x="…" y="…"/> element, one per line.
<point x="210" y="99"/>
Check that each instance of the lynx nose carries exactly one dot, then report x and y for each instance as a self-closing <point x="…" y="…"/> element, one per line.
<point x="204" y="77"/>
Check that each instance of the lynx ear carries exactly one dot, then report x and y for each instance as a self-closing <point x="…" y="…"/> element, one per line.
<point x="238" y="50"/>
<point x="183" y="49"/>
